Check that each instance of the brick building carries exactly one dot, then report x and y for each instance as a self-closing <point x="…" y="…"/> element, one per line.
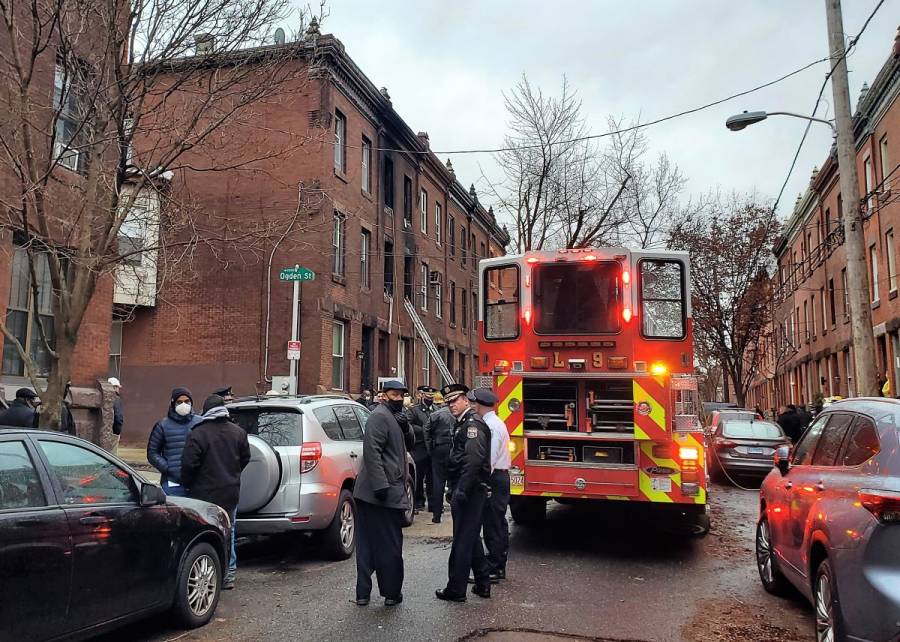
<point x="809" y="351"/>
<point x="379" y="218"/>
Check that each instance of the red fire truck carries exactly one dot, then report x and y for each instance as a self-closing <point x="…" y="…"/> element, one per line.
<point x="590" y="352"/>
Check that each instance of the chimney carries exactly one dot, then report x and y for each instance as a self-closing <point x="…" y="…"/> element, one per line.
<point x="451" y="170"/>
<point x="204" y="44"/>
<point x="384" y="92"/>
<point x="815" y="173"/>
<point x="862" y="95"/>
<point x="423" y="137"/>
<point x="312" y="31"/>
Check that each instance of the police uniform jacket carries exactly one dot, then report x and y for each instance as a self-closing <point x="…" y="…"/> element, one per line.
<point x="439" y="428"/>
<point x="384" y="461"/>
<point x="418" y="415"/>
<point x="470" y="459"/>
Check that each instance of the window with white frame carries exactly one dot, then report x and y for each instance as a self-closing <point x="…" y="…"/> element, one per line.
<point x="867" y="168"/>
<point x="891" y="259"/>
<point x="423" y="211"/>
<point x="340" y="142"/>
<point x="365" y="249"/>
<point x="423" y="287"/>
<point x="28" y="315"/>
<point x="426" y="366"/>
<point x="873" y="272"/>
<point x="451" y="235"/>
<point x="438" y="285"/>
<point x="366" y="165"/>
<point x="337" y="355"/>
<point x="401" y="360"/>
<point x="337" y="244"/>
<point x="65" y="100"/>
<point x="886" y="169"/>
<point x="438" y="223"/>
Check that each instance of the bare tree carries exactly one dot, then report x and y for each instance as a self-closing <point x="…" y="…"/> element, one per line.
<point x="103" y="102"/>
<point x="730" y="241"/>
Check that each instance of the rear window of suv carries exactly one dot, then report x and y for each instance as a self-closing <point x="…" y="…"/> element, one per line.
<point x="751" y="430"/>
<point x="275" y="426"/>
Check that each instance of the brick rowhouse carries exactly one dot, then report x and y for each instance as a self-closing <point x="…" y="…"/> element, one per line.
<point x="809" y="351"/>
<point x="381" y="218"/>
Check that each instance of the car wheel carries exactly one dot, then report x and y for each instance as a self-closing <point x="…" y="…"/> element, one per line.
<point x="199" y="586"/>
<point x="340" y="536"/>
<point x="766" y="563"/>
<point x="829" y="623"/>
<point x="409" y="515"/>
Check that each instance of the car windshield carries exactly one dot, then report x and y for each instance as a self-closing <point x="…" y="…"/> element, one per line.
<point x="731" y="415"/>
<point x="741" y="429"/>
<point x="276" y="427"/>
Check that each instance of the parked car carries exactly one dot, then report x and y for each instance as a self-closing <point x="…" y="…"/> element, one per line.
<point x="717" y="416"/>
<point x="305" y="454"/>
<point x="742" y="445"/>
<point x="829" y="520"/>
<point x="87" y="544"/>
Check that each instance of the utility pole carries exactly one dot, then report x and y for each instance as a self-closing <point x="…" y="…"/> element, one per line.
<point x="854" y="234"/>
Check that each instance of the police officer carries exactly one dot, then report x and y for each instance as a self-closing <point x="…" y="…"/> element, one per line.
<point x="418" y="415"/>
<point x="496" y="528"/>
<point x="469" y="473"/>
<point x="225" y="393"/>
<point x="438" y="439"/>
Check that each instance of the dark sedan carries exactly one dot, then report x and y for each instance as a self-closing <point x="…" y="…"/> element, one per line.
<point x="86" y="544"/>
<point x="829" y="521"/>
<point x="743" y="446"/>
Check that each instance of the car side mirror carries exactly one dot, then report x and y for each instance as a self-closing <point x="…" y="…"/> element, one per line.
<point x="152" y="495"/>
<point x="782" y="459"/>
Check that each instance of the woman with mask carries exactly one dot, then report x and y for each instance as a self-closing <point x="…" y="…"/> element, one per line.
<point x="164" y="449"/>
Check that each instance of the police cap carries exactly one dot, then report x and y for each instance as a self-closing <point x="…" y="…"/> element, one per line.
<point x="223" y="392"/>
<point x="453" y="390"/>
<point x="483" y="396"/>
<point x="426" y="390"/>
<point x="393" y="384"/>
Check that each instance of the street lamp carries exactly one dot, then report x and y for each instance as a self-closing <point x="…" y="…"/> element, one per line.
<point x="739" y="121"/>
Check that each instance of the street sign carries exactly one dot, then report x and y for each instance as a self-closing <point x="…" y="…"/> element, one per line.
<point x="296" y="273"/>
<point x="293" y="350"/>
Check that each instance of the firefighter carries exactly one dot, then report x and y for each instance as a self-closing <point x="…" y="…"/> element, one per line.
<point x="438" y="438"/>
<point x="418" y="416"/>
<point x="469" y="473"/>
<point x="496" y="528"/>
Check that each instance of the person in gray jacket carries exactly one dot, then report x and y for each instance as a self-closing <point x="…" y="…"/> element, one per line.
<point x="438" y="438"/>
<point x="381" y="499"/>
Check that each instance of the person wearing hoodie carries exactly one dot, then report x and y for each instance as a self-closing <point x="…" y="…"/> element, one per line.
<point x="215" y="454"/>
<point x="167" y="440"/>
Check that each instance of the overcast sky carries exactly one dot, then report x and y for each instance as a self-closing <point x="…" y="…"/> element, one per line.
<point x="446" y="64"/>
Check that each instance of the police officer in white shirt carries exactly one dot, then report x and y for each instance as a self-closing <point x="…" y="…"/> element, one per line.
<point x="496" y="528"/>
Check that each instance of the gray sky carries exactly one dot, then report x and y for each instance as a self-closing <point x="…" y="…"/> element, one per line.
<point x="446" y="64"/>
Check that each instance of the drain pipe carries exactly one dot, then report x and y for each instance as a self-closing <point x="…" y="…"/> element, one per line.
<point x="287" y="231"/>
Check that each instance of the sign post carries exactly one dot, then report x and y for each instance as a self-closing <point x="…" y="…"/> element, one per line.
<point x="295" y="275"/>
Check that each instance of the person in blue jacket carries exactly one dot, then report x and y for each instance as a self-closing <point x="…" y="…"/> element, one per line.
<point x="166" y="443"/>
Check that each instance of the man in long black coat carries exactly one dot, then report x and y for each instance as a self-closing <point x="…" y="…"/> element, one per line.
<point x="381" y="500"/>
<point x="418" y="415"/>
<point x="22" y="412"/>
<point x="439" y="431"/>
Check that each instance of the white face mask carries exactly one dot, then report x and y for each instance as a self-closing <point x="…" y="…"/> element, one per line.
<point x="183" y="409"/>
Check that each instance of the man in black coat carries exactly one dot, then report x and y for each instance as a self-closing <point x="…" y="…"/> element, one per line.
<point x="215" y="454"/>
<point x="791" y="423"/>
<point x="22" y="412"/>
<point x="418" y="415"/>
<point x="438" y="439"/>
<point x="470" y="472"/>
<point x="380" y="493"/>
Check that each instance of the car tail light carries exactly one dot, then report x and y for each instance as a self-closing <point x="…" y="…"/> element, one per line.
<point x="883" y="504"/>
<point x="310" y="454"/>
<point x="724" y="444"/>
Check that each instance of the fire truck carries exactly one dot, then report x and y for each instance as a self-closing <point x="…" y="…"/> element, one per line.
<point x="590" y="352"/>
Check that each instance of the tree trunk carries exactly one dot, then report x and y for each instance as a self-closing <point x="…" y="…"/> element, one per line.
<point x="53" y="399"/>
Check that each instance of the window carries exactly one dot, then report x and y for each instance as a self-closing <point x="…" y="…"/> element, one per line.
<point x="327" y="419"/>
<point x="452" y="303"/>
<point x="438" y="285"/>
<point x="462" y="243"/>
<point x="885" y="163"/>
<point x="86" y="477"/>
<point x="340" y="142"/>
<point x="363" y="415"/>
<point x="812" y="307"/>
<point x="438" y="223"/>
<point x="869" y="176"/>
<point x="275" y="427"/>
<point x="349" y="422"/>
<point x="501" y="303"/>
<point x="408" y="277"/>
<point x="337" y="355"/>
<point x="845" y="297"/>
<point x="824" y="311"/>
<point x="337" y="244"/>
<point x="805" y="448"/>
<point x="474" y="312"/>
<point x="115" y="348"/>
<point x="66" y="100"/>
<point x="388" y="267"/>
<point x="464" y="317"/>
<point x="401" y="360"/>
<point x="750" y="429"/>
<point x="366" y="165"/>
<point x="830" y="442"/>
<point x="891" y="260"/>
<point x="662" y="299"/>
<point x="423" y="288"/>
<point x="451" y="235"/>
<point x="423" y="211"/>
<point x="426" y="366"/>
<point x="387" y="182"/>
<point x="365" y="274"/>
<point x="472" y="247"/>
<point x="861" y="443"/>
<point x="25" y="313"/>
<point x="481" y="254"/>
<point x="20" y="486"/>
<point x="831" y="305"/>
<point x="873" y="272"/>
<point x="806" y="321"/>
<point x="407" y="203"/>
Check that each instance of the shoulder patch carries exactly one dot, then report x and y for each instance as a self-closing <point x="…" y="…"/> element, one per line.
<point x="472" y="432"/>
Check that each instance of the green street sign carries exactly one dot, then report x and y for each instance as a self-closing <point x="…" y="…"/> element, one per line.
<point x="297" y="274"/>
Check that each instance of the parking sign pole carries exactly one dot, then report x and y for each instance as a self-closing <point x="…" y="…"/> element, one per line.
<point x="294" y="332"/>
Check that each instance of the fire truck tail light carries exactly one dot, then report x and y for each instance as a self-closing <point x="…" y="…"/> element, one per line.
<point x="501" y="366"/>
<point x="590" y="257"/>
<point x="617" y="363"/>
<point x="526" y="315"/>
<point x="659" y="369"/>
<point x="626" y="277"/>
<point x="626" y="314"/>
<point x="540" y="363"/>
<point x="662" y="451"/>
<point x="688" y="454"/>
<point x="531" y="260"/>
<point x="690" y="476"/>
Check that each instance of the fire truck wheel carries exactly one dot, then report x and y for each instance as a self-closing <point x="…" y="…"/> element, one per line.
<point x="528" y="511"/>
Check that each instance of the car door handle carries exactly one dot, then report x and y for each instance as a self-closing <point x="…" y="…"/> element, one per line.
<point x="820" y="486"/>
<point x="788" y="485"/>
<point x="353" y="454"/>
<point x="93" y="519"/>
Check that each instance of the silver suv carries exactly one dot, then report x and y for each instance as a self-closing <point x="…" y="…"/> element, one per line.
<point x="305" y="454"/>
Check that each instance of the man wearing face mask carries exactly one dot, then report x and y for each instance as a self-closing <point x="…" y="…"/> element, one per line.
<point x="380" y="494"/>
<point x="166" y="443"/>
<point x="418" y="417"/>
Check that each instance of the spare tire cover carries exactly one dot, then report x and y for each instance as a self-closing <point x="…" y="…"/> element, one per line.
<point x="261" y="477"/>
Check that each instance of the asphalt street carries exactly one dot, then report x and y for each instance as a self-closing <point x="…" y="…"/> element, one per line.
<point x="586" y="574"/>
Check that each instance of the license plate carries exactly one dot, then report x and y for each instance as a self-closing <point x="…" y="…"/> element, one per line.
<point x="517" y="479"/>
<point x="663" y="484"/>
<point x="757" y="451"/>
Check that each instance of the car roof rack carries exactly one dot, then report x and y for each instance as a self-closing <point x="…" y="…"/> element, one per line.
<point x="287" y="397"/>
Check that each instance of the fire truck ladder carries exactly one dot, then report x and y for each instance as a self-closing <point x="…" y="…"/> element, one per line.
<point x="426" y="339"/>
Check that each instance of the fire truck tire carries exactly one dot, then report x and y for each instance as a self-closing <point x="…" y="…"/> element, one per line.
<point x="528" y="511"/>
